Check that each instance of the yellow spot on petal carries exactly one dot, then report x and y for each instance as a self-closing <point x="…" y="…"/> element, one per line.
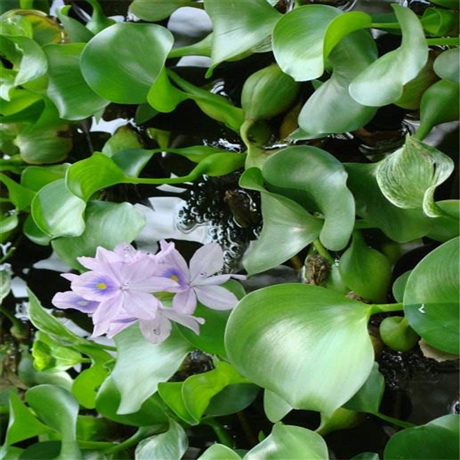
<point x="101" y="286"/>
<point x="82" y="303"/>
<point x="174" y="278"/>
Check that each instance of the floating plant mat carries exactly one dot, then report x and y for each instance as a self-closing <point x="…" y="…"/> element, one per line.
<point x="253" y="207"/>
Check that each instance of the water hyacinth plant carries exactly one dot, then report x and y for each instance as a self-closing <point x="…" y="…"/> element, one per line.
<point x="255" y="207"/>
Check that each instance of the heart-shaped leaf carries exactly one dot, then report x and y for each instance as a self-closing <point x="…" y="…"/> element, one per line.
<point x="409" y="177"/>
<point x="142" y="361"/>
<point x="239" y="27"/>
<point x="286" y="224"/>
<point x="446" y="65"/>
<point x="307" y="344"/>
<point x="317" y="180"/>
<point x="68" y="90"/>
<point x="156" y="10"/>
<point x="382" y="82"/>
<point x="219" y="452"/>
<point x="121" y="62"/>
<point x="431" y="297"/>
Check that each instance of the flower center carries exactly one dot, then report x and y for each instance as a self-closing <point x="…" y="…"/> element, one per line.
<point x="174" y="278"/>
<point x="101" y="286"/>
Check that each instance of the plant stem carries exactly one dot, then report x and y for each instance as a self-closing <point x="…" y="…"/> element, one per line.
<point x="447" y="41"/>
<point x="386" y="308"/>
<point x="394" y="421"/>
<point x="322" y="251"/>
<point x="138" y="436"/>
<point x="385" y="25"/>
<point x="221" y="433"/>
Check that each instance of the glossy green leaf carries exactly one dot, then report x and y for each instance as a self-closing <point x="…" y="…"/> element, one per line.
<point x="58" y="212"/>
<point x="436" y="106"/>
<point x="366" y="456"/>
<point x="20" y="196"/>
<point x="171" y="394"/>
<point x="107" y="224"/>
<point x="232" y="399"/>
<point x="447" y="3"/>
<point x="399" y="224"/>
<point x="163" y="95"/>
<point x="68" y="90"/>
<point x="50" y="356"/>
<point x="275" y="407"/>
<point x="286" y="224"/>
<point x="124" y="138"/>
<point x="59" y="410"/>
<point x="396" y="333"/>
<point x="236" y="28"/>
<point x="305" y="343"/>
<point x="437" y="439"/>
<point x="170" y="445"/>
<point x="151" y="412"/>
<point x="340" y="419"/>
<point x="121" y="62"/>
<point x="219" y="452"/>
<point x="5" y="282"/>
<point x="36" y="177"/>
<point x="198" y="390"/>
<point x="447" y="65"/>
<point x="439" y="22"/>
<point x="75" y="30"/>
<point x="369" y="396"/>
<point x="365" y="271"/>
<point x="156" y="10"/>
<point x="22" y="423"/>
<point x="447" y="226"/>
<point x="142" y="361"/>
<point x="288" y="441"/>
<point x="85" y="177"/>
<point x="45" y="450"/>
<point x="33" y="233"/>
<point x="298" y="40"/>
<point x="33" y="63"/>
<point x="317" y="180"/>
<point x="48" y="324"/>
<point x="382" y="82"/>
<point x="408" y="178"/>
<point x="431" y="297"/>
<point x="323" y="113"/>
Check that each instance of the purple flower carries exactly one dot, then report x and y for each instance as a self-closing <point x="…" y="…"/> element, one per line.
<point x="71" y="300"/>
<point x="197" y="282"/>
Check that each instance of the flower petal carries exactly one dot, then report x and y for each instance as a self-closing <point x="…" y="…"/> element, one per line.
<point x="157" y="330"/>
<point x="71" y="300"/>
<point x="108" y="310"/>
<point x="140" y="305"/>
<point x="192" y="322"/>
<point x="216" y="297"/>
<point x="185" y="302"/>
<point x="206" y="261"/>
<point x="95" y="286"/>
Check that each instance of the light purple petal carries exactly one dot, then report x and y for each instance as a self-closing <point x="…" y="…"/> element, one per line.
<point x="140" y="304"/>
<point x="71" y="300"/>
<point x="185" y="301"/>
<point x="192" y="322"/>
<point x="212" y="280"/>
<point x="119" y="325"/>
<point x="216" y="297"/>
<point x="157" y="330"/>
<point x="174" y="259"/>
<point x="95" y="286"/>
<point x="108" y="310"/>
<point x="70" y="276"/>
<point x="206" y="261"/>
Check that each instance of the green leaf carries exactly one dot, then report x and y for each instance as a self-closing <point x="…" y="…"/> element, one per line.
<point x="50" y="356"/>
<point x="36" y="177"/>
<point x="76" y="31"/>
<point x="287" y="441"/>
<point x="369" y="397"/>
<point x="399" y="224"/>
<point x="431" y="297"/>
<point x="156" y="10"/>
<point x="446" y="65"/>
<point x="232" y="399"/>
<point x="436" y="106"/>
<point x="286" y="224"/>
<point x="163" y="95"/>
<point x="317" y="180"/>
<point x="85" y="177"/>
<point x="322" y="114"/>
<point x="238" y="28"/>
<point x="305" y="343"/>
<point x="22" y="423"/>
<point x="438" y="22"/>
<point x="171" y="394"/>
<point x="298" y="40"/>
<point x="5" y="282"/>
<point x="396" y="333"/>
<point x="58" y="212"/>
<point x="365" y="271"/>
<point x="59" y="410"/>
<point x="142" y="361"/>
<point x="366" y="456"/>
<point x="19" y="195"/>
<point x="408" y="178"/>
<point x="437" y="439"/>
<point x="72" y="96"/>
<point x="219" y="452"/>
<point x="124" y="138"/>
<point x="382" y="82"/>
<point x="48" y="324"/>
<point x="121" y="62"/>
<point x="275" y="407"/>
<point x="170" y="445"/>
<point x="107" y="224"/>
